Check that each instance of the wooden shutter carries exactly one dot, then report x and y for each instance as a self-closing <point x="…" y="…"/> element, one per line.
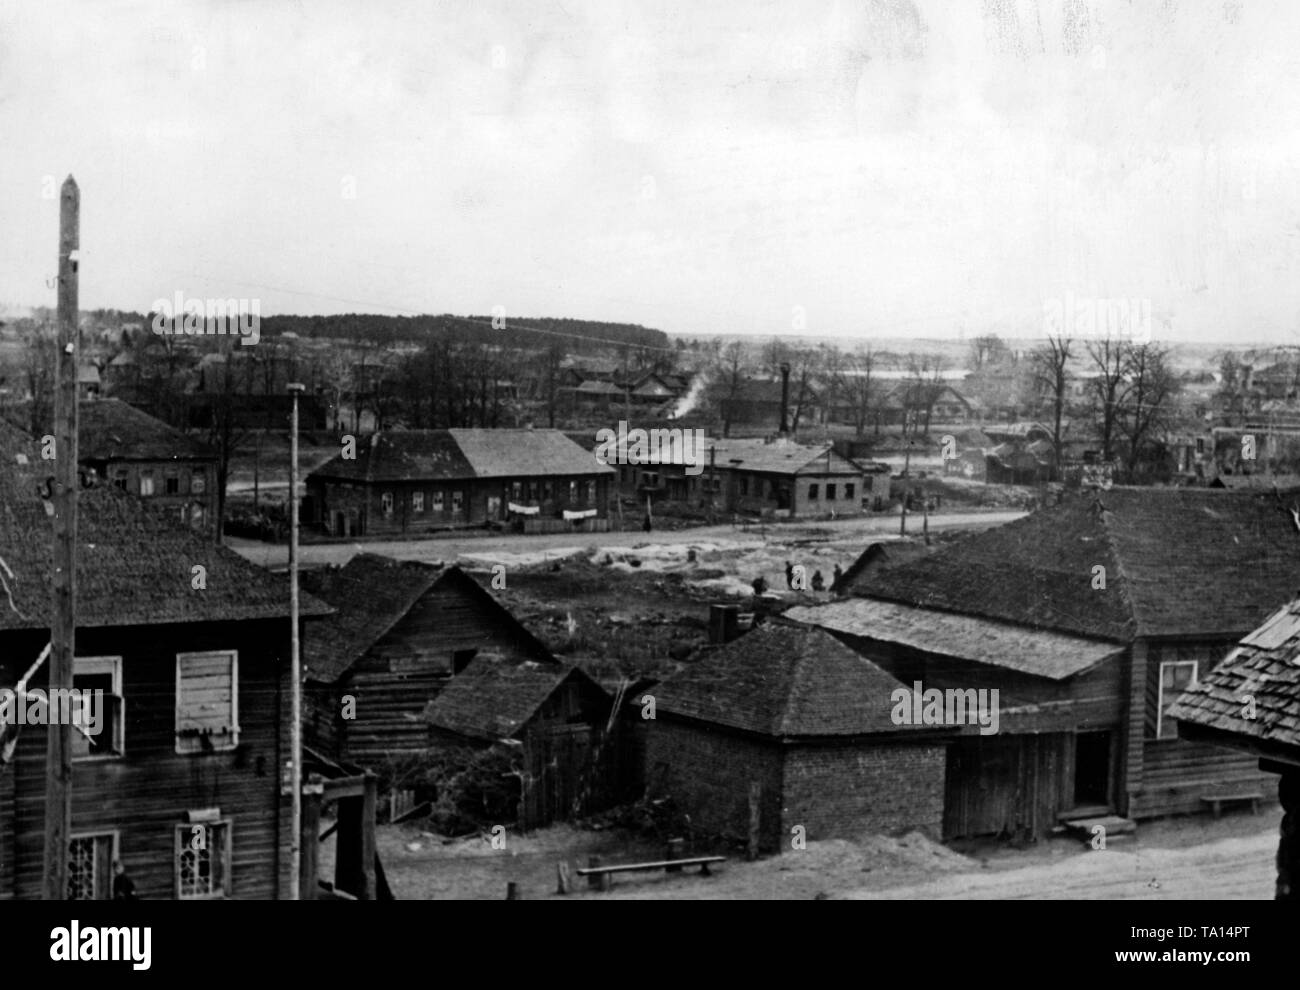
<point x="207" y="701"/>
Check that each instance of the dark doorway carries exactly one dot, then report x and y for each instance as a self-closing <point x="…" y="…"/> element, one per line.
<point x="1092" y="768"/>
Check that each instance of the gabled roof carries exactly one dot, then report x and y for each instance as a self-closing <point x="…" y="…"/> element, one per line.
<point x="1263" y="667"/>
<point x="109" y="429"/>
<point x="371" y="594"/>
<point x="784" y="682"/>
<point x="877" y="555"/>
<point x="496" y="696"/>
<point x="777" y="457"/>
<point x="1178" y="562"/>
<point x="462" y="454"/>
<point x="999" y="644"/>
<point x="135" y="563"/>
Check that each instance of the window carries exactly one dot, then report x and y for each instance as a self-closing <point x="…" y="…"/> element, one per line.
<point x="848" y="491"/>
<point x="207" y="702"/>
<point x="457" y="501"/>
<point x="119" y="479"/>
<point x="437" y="502"/>
<point x="172" y="484"/>
<point x="573" y="492"/>
<point x="1200" y="445"/>
<point x="546" y="491"/>
<point x="417" y="502"/>
<point x="90" y="866"/>
<point x="516" y="491"/>
<point x="744" y="485"/>
<point x="146" y="482"/>
<point x="198" y="481"/>
<point x="98" y="726"/>
<point x="830" y="493"/>
<point x="1176" y="676"/>
<point x="386" y="503"/>
<point x="198" y="516"/>
<point x="591" y="493"/>
<point x="812" y="492"/>
<point x="203" y="860"/>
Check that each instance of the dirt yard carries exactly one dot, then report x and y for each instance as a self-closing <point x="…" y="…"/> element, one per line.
<point x="1174" y="859"/>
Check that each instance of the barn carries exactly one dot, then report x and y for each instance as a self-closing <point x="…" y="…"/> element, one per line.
<point x="790" y="726"/>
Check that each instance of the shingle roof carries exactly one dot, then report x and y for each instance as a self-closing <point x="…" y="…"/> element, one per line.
<point x="1178" y="561"/>
<point x="134" y="562"/>
<point x="1263" y="667"/>
<point x="495" y="696"/>
<point x="784" y="682"/>
<point x="109" y="429"/>
<point x="370" y="595"/>
<point x="1000" y="644"/>
<point x="462" y="454"/>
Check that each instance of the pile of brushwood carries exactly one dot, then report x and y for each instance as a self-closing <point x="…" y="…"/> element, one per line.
<point x="465" y="786"/>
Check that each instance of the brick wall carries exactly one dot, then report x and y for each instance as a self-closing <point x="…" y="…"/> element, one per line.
<point x="707" y="773"/>
<point x="844" y="790"/>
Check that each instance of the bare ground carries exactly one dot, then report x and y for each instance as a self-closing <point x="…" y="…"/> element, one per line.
<point x="1173" y="859"/>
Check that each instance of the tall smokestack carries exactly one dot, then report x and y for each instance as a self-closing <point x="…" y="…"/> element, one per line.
<point x="785" y="399"/>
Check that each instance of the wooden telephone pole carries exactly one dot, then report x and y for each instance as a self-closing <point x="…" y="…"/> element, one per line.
<point x="58" y="753"/>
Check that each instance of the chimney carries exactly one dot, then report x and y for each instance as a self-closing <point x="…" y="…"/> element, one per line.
<point x="724" y="623"/>
<point x="784" y="428"/>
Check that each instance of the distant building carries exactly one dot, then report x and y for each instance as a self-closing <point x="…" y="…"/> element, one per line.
<point x="136" y="453"/>
<point x="414" y="481"/>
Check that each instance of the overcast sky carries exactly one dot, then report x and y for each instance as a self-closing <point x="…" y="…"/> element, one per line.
<point x="878" y="167"/>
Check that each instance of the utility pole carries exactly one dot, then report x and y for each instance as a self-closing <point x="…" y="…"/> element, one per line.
<point x="58" y="752"/>
<point x="295" y="659"/>
<point x="713" y="450"/>
<point x="907" y="487"/>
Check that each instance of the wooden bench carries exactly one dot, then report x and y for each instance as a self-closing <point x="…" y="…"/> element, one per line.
<point x="600" y="877"/>
<point x="1217" y="800"/>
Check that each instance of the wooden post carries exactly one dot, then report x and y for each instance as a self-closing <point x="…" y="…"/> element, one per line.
<point x="368" y="804"/>
<point x="295" y="671"/>
<point x="512" y="890"/>
<point x="713" y="450"/>
<point x="58" y="752"/>
<point x="310" y="840"/>
<point x="562" y="883"/>
<point x="755" y="818"/>
<point x="1288" y="846"/>
<point x="674" y="851"/>
<point x="907" y="481"/>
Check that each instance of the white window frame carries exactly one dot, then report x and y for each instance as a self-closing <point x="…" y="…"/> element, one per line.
<point x="146" y="484"/>
<point x="184" y="834"/>
<point x="1160" y="692"/>
<point x="417" y="503"/>
<point x="115" y="843"/>
<point x="386" y="503"/>
<point x="91" y="666"/>
<point x="233" y="735"/>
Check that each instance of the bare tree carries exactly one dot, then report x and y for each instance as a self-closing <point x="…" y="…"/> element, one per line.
<point x="852" y="376"/>
<point x="730" y="378"/>
<point x="1146" y="408"/>
<point x="987" y="349"/>
<point x="1108" y="390"/>
<point x="1049" y="364"/>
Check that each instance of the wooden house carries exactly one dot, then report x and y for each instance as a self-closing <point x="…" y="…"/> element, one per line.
<point x="189" y="643"/>
<point x="1091" y="617"/>
<point x="1249" y="702"/>
<point x="796" y="725"/>
<point x="416" y="481"/>
<point x="556" y="713"/>
<point x="401" y="631"/>
<point x="136" y="453"/>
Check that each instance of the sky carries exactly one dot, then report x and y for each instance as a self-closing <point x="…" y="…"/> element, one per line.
<point x="879" y="168"/>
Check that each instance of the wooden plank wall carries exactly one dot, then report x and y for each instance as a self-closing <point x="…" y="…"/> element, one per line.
<point x="1015" y="785"/>
<point x="146" y="794"/>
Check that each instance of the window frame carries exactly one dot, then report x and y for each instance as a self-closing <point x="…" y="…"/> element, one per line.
<point x="184" y="830"/>
<point x="114" y="854"/>
<point x="813" y="489"/>
<point x="417" y="503"/>
<point x="233" y="734"/>
<point x="831" y="488"/>
<point x="850" y="491"/>
<point x="113" y="664"/>
<point x="1160" y="692"/>
<point x="146" y="477"/>
<point x="437" y="501"/>
<point x="386" y="503"/>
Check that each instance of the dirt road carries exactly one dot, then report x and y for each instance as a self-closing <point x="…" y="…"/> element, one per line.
<point x="450" y="548"/>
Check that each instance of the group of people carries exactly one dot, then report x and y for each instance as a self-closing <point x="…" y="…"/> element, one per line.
<point x="818" y="583"/>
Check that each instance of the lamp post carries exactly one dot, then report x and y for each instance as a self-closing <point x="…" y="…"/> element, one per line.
<point x="295" y="658"/>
